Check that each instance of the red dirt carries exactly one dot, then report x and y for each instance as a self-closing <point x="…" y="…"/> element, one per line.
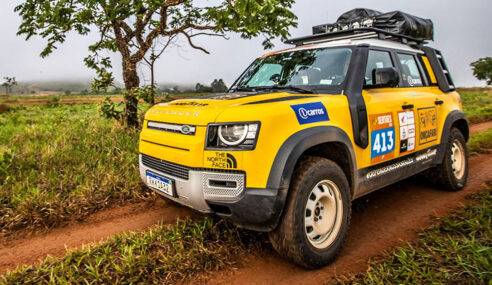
<point x="391" y="218"/>
<point x="480" y="127"/>
<point x="32" y="249"/>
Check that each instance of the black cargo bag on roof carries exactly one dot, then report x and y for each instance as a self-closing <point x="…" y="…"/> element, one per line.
<point x="396" y="22"/>
<point x="357" y="14"/>
<point x="405" y="24"/>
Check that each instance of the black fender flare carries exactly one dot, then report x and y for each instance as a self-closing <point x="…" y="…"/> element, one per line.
<point x="292" y="149"/>
<point x="452" y="118"/>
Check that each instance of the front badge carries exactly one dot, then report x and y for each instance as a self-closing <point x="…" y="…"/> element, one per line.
<point x="310" y="113"/>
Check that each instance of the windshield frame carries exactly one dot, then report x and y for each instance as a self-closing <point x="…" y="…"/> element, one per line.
<point x="318" y="89"/>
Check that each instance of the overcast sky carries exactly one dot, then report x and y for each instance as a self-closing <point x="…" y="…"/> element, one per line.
<point x="462" y="31"/>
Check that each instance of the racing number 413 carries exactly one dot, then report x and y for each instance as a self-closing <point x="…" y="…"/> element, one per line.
<point x="383" y="142"/>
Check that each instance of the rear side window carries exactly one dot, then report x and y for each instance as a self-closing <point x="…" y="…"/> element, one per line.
<point x="410" y="71"/>
<point x="376" y="59"/>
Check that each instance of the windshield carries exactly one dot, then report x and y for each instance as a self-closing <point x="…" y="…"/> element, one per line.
<point x="313" y="68"/>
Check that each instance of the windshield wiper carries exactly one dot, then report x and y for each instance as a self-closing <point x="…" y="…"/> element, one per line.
<point x="288" y="87"/>
<point x="244" y="88"/>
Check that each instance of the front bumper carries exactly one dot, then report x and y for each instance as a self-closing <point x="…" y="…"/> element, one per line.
<point x="219" y="192"/>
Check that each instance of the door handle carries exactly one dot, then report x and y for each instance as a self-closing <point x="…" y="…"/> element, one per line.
<point x="438" y="102"/>
<point x="406" y="107"/>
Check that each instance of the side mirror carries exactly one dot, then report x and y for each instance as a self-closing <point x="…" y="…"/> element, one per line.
<point x="385" y="77"/>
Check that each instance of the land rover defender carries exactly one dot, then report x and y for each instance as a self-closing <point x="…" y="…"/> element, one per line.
<point x="306" y="130"/>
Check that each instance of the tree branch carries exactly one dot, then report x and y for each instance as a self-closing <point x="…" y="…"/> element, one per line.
<point x="192" y="44"/>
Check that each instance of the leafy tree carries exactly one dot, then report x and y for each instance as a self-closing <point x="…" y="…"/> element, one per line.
<point x="482" y="69"/>
<point x="130" y="27"/>
<point x="8" y="84"/>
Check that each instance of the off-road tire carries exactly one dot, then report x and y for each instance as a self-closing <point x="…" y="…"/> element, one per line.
<point x="290" y="239"/>
<point x="443" y="175"/>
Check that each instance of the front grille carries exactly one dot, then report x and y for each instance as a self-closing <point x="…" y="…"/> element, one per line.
<point x="172" y="128"/>
<point x="166" y="167"/>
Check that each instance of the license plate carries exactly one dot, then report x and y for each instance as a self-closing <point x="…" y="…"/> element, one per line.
<point x="162" y="184"/>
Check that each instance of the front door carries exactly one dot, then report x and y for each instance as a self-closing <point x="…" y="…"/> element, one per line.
<point x="391" y="115"/>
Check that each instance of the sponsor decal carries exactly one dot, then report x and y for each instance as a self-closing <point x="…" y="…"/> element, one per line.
<point x="427" y="125"/>
<point x="382" y="137"/>
<point x="406" y="121"/>
<point x="310" y="113"/>
<point x="391" y="167"/>
<point x="426" y="156"/>
<point x="194" y="104"/>
<point x="180" y="113"/>
<point x="222" y="160"/>
<point x="421" y="158"/>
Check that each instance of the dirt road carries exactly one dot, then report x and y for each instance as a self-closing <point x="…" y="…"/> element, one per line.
<point x="390" y="218"/>
<point x="31" y="248"/>
<point x="480" y="127"/>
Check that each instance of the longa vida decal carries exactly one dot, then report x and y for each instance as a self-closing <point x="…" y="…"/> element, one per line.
<point x="406" y="120"/>
<point x="382" y="137"/>
<point x="427" y="125"/>
<point x="221" y="160"/>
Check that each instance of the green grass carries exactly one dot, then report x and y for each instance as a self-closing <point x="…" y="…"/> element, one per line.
<point x="480" y="142"/>
<point x="62" y="97"/>
<point x="456" y="250"/>
<point x="477" y="104"/>
<point x="163" y="255"/>
<point x="59" y="162"/>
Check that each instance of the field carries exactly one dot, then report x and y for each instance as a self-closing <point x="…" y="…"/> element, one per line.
<point x="477" y="104"/>
<point x="62" y="162"/>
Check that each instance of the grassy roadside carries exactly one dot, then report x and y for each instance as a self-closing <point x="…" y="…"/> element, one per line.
<point x="62" y="161"/>
<point x="456" y="250"/>
<point x="480" y="142"/>
<point x="477" y="104"/>
<point x="163" y="255"/>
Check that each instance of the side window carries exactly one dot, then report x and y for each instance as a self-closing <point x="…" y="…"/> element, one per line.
<point x="376" y="59"/>
<point x="409" y="71"/>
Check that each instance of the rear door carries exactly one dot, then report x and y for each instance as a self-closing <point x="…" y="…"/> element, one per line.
<point x="426" y="106"/>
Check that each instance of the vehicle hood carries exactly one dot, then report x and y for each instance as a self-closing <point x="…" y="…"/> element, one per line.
<point x="205" y="109"/>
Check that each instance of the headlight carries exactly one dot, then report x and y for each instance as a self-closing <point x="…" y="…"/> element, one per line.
<point x="232" y="136"/>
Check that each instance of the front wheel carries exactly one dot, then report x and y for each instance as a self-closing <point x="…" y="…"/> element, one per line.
<point x="452" y="173"/>
<point x="317" y="214"/>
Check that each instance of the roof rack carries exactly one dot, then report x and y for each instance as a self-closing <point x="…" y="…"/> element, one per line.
<point x="356" y="34"/>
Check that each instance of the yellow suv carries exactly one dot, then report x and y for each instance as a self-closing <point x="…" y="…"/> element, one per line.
<point x="305" y="131"/>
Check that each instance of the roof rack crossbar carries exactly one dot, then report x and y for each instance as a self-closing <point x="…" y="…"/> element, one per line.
<point x="354" y="34"/>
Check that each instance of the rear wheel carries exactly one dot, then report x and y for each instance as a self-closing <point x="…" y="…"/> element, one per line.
<point x="452" y="173"/>
<point x="317" y="215"/>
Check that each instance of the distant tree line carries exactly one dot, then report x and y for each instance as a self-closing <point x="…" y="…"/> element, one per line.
<point x="217" y="86"/>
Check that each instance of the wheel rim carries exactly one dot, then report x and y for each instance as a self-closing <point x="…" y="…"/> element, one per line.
<point x="458" y="159"/>
<point x="323" y="214"/>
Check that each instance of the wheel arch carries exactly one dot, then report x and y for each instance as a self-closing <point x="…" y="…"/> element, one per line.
<point x="455" y="119"/>
<point x="325" y="141"/>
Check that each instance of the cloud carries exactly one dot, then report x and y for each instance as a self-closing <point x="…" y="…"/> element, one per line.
<point x="461" y="32"/>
